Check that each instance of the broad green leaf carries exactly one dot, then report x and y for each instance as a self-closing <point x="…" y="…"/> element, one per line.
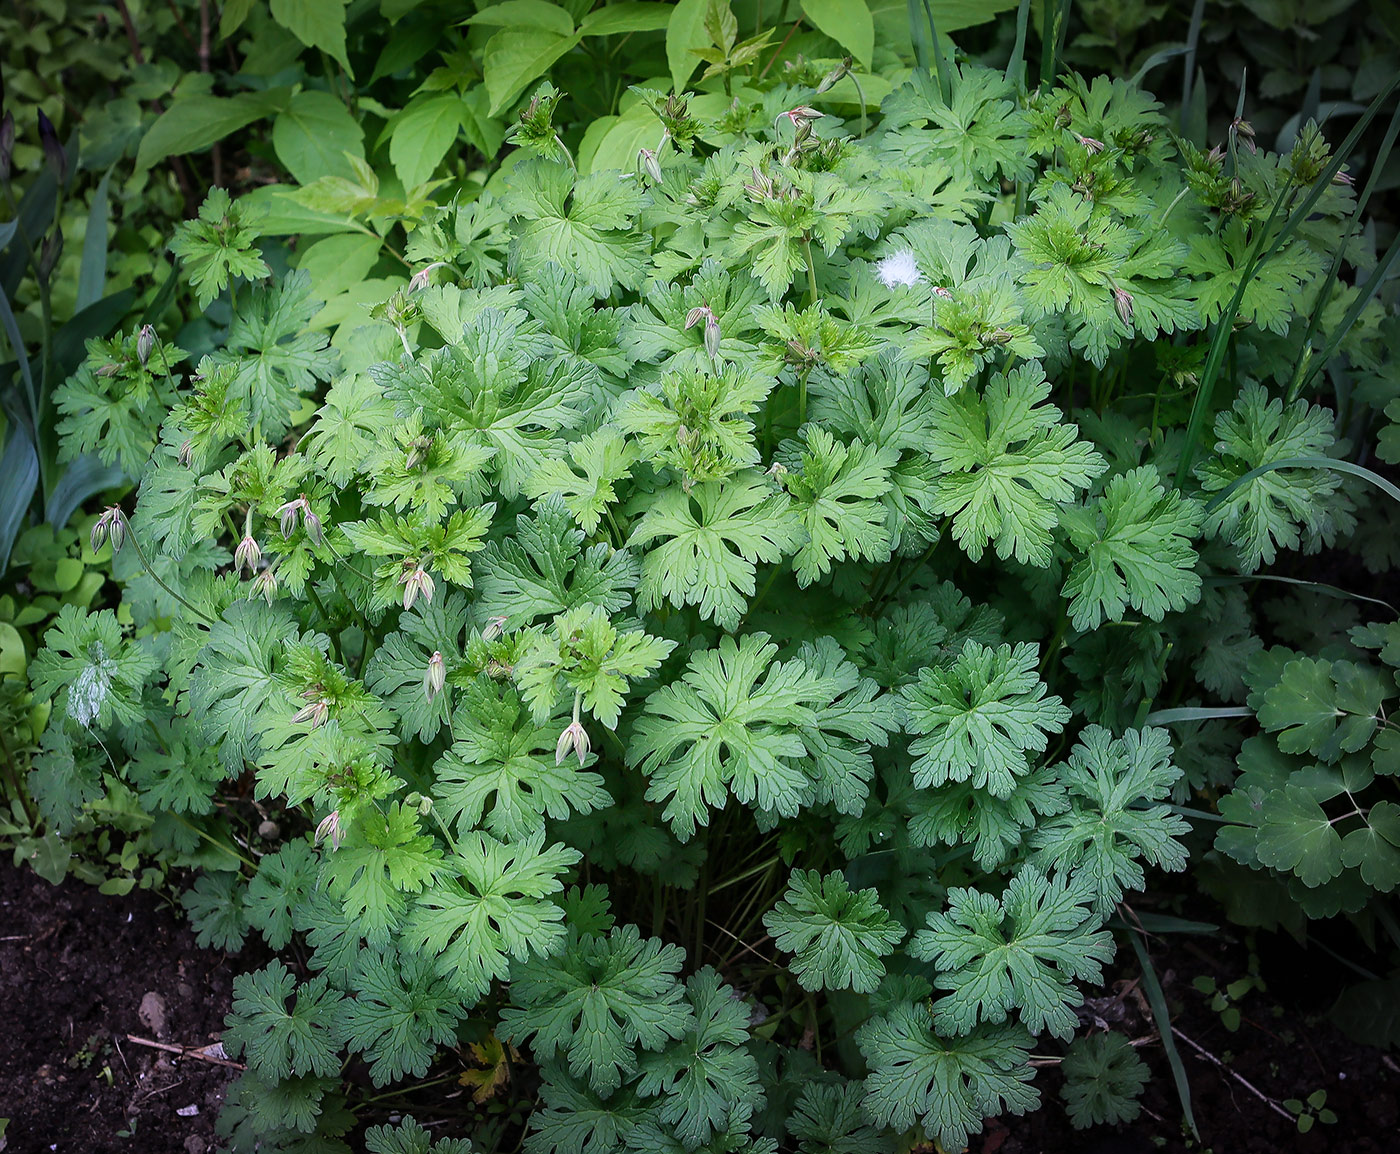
<point x="629" y="16"/>
<point x="196" y="122"/>
<point x="338" y="263"/>
<point x="526" y="16"/>
<point x="514" y="57"/>
<point x="317" y="24"/>
<point x="685" y="32"/>
<point x="313" y="134"/>
<point x="848" y="22"/>
<point x="423" y="135"/>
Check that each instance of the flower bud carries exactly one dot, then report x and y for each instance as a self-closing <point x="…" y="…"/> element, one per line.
<point x="414" y="582"/>
<point x="50" y="251"/>
<point x="186" y="455"/>
<point x="435" y="677"/>
<point x="247" y="555"/>
<point x="312" y="524"/>
<point x="287" y="516"/>
<point x="712" y="337"/>
<point x="495" y="626"/>
<point x="647" y="162"/>
<point x="1091" y="146"/>
<point x="834" y="75"/>
<point x="1123" y="302"/>
<point x="317" y="712"/>
<point x="330" y="827"/>
<point x="420" y="280"/>
<point x="110" y="527"/>
<point x="264" y="586"/>
<point x="7" y="145"/>
<point x="53" y="149"/>
<point x="145" y="342"/>
<point x="574" y="738"/>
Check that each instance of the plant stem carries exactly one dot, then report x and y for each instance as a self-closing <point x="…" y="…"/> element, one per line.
<point x="145" y="564"/>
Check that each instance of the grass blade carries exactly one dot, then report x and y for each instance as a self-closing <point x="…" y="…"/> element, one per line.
<point x="1224" y="327"/>
<point x="1193" y="37"/>
<point x="1197" y="713"/>
<point x="1305" y="463"/>
<point x="1162" y="1016"/>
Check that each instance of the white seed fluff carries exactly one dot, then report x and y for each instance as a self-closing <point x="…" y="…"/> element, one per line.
<point x="899" y="268"/>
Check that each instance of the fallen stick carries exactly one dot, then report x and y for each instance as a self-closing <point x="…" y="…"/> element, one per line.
<point x="1240" y="1078"/>
<point x="199" y="1052"/>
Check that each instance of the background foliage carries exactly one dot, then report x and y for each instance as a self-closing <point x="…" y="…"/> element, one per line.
<point x="689" y="566"/>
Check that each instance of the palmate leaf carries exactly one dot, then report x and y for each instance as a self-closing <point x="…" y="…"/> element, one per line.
<point x="497" y="384"/>
<point x="1136" y="541"/>
<point x="597" y="1002"/>
<point x="948" y="1086"/>
<point x="281" y="1041"/>
<point x="1276" y="509"/>
<point x="835" y="490"/>
<point x="1103" y="1078"/>
<point x="275" y="356"/>
<point x="1007" y="465"/>
<point x="284" y="880"/>
<point x="730" y="723"/>
<point x="93" y="671"/>
<point x="502" y="767"/>
<point x="584" y="655"/>
<point x="980" y="717"/>
<point x="604" y="458"/>
<point x="385" y="857"/>
<point x="492" y="904"/>
<point x="1020" y="954"/>
<point x="543" y="569"/>
<point x="583" y="225"/>
<point x="829" y="1120"/>
<point x="401" y="1012"/>
<point x="837" y="936"/>
<point x="708" y="1075"/>
<point x="708" y="542"/>
<point x="409" y="1137"/>
<point x="1111" y="823"/>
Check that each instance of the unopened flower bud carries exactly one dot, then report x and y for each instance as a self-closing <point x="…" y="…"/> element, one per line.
<point x="777" y="469"/>
<point x="1343" y="178"/>
<point x="647" y="162"/>
<point x="414" y="582"/>
<point x="712" y="336"/>
<point x="1091" y="146"/>
<point x="1123" y="302"/>
<point x="574" y="738"/>
<point x="1245" y="131"/>
<point x="940" y="291"/>
<point x="834" y="75"/>
<point x="54" y="152"/>
<point x="264" y="586"/>
<point x="495" y="626"/>
<point x="329" y="827"/>
<point x="287" y="516"/>
<point x="317" y="712"/>
<point x="313" y="525"/>
<point x="109" y="527"/>
<point x="145" y="342"/>
<point x="247" y="555"/>
<point x="50" y="251"/>
<point x="186" y="455"/>
<point x="435" y="677"/>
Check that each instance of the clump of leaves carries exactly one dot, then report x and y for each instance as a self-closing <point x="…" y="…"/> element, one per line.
<point x="765" y="537"/>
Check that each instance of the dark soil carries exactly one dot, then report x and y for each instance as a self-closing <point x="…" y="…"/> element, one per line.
<point x="75" y="968"/>
<point x="1285" y="1047"/>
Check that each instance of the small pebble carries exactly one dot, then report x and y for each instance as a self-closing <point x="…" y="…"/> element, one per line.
<point x="188" y="1111"/>
<point x="269" y="830"/>
<point x="152" y="1013"/>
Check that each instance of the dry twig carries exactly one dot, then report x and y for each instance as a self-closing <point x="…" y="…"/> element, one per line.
<point x="199" y="1052"/>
